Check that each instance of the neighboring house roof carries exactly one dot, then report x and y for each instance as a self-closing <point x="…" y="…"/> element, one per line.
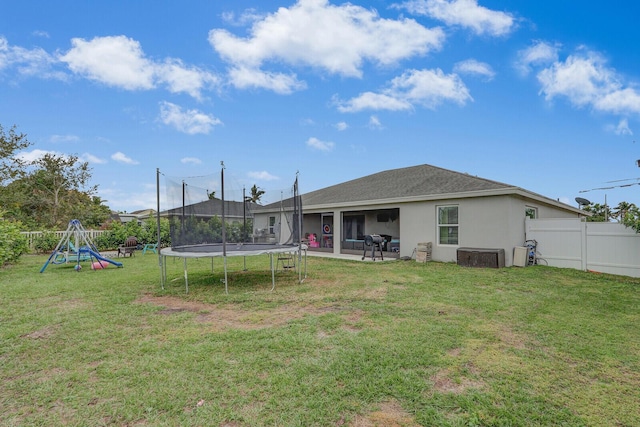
<point x="213" y="207"/>
<point x="144" y="213"/>
<point x="414" y="183"/>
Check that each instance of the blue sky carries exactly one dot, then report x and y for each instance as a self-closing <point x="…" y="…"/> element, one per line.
<point x="544" y="95"/>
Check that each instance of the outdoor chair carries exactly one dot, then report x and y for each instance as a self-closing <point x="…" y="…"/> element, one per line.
<point x="152" y="247"/>
<point x="129" y="247"/>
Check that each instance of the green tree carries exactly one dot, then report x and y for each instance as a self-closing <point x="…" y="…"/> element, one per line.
<point x="11" y="167"/>
<point x="622" y="210"/>
<point x="16" y="201"/>
<point x="55" y="190"/>
<point x="632" y="218"/>
<point x="599" y="213"/>
<point x="57" y="181"/>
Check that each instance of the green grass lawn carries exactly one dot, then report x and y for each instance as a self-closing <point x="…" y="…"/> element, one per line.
<point x="356" y="344"/>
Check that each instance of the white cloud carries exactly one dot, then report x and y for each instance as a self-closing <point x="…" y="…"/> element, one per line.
<point x="193" y="160"/>
<point x="622" y="128"/>
<point x="119" y="61"/>
<point x="123" y="158"/>
<point x="465" y="13"/>
<point x="115" y="60"/>
<point x="374" y="101"/>
<point x="39" y="33"/>
<point x="316" y="144"/>
<point x="428" y="88"/>
<point x="249" y="16"/>
<point x="474" y="67"/>
<point x="86" y="157"/>
<point x="315" y="33"/>
<point x="28" y="62"/>
<point x="30" y="156"/>
<point x="246" y="77"/>
<point x="188" y="121"/>
<point x="262" y="176"/>
<point x="586" y="81"/>
<point x="180" y="78"/>
<point x="375" y="123"/>
<point x="64" y="138"/>
<point x="539" y="54"/>
<point x="341" y="126"/>
<point x="620" y="101"/>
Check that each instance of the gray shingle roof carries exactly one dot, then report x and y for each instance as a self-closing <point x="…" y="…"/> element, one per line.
<point x="213" y="207"/>
<point x="414" y="181"/>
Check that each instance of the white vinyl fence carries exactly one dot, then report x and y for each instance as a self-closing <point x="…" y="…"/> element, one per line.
<point x="32" y="235"/>
<point x="596" y="246"/>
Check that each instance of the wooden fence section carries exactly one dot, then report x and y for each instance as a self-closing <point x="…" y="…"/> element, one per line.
<point x="32" y="235"/>
<point x="597" y="246"/>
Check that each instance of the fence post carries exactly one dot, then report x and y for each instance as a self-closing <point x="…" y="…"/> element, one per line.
<point x="583" y="244"/>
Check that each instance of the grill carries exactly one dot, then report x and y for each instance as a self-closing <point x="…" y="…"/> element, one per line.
<point x="374" y="241"/>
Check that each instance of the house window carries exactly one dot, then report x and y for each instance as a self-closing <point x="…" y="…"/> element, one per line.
<point x="272" y="223"/>
<point x="531" y="212"/>
<point x="448" y="225"/>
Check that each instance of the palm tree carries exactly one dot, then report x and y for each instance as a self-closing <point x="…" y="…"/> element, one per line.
<point x="622" y="210"/>
<point x="256" y="194"/>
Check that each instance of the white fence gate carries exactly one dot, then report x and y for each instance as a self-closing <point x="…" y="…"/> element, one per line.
<point x="597" y="246"/>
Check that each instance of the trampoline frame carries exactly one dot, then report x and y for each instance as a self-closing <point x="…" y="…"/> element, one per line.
<point x="232" y="249"/>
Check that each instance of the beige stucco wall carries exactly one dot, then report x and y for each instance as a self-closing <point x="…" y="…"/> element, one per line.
<point x="484" y="222"/>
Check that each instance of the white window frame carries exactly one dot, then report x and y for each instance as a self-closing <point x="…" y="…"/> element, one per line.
<point x="272" y="224"/>
<point x="440" y="225"/>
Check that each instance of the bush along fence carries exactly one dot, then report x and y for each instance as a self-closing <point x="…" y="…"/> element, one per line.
<point x="147" y="232"/>
<point x="45" y="241"/>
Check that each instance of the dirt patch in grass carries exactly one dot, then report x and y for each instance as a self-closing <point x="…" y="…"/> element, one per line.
<point x="43" y="333"/>
<point x="60" y="301"/>
<point x="512" y="339"/>
<point x="445" y="382"/>
<point x="226" y="318"/>
<point x="390" y="414"/>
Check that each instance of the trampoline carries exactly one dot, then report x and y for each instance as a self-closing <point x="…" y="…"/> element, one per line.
<point x="234" y="249"/>
<point x="195" y="224"/>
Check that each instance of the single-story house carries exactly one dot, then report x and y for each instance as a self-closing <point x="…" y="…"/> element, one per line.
<point x="138" y="216"/>
<point x="416" y="205"/>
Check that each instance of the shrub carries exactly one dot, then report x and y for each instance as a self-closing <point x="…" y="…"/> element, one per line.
<point x="147" y="232"/>
<point x="12" y="243"/>
<point x="46" y="242"/>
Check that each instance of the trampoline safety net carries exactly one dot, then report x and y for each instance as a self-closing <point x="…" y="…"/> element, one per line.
<point x="216" y="209"/>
